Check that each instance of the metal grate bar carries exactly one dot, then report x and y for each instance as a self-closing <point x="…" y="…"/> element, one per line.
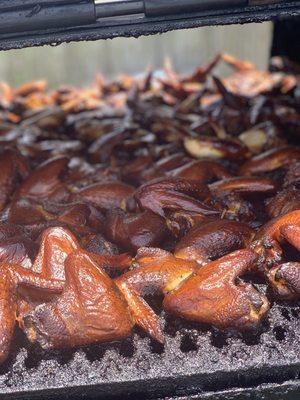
<point x="194" y="361"/>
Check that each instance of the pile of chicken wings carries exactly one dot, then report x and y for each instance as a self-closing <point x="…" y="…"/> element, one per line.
<point x="182" y="187"/>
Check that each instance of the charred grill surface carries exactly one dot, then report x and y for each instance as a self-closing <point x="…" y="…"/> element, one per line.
<point x="193" y="361"/>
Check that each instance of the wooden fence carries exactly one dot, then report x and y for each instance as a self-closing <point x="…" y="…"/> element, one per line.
<point x="77" y="63"/>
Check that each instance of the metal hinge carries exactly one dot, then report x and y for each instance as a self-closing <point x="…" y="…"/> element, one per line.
<point x="166" y="7"/>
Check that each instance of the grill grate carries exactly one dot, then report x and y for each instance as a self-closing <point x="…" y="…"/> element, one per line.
<point x="194" y="360"/>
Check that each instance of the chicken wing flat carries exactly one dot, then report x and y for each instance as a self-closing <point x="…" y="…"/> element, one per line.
<point x="89" y="310"/>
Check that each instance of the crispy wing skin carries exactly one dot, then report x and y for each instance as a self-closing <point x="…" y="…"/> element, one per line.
<point x="267" y="240"/>
<point x="292" y="176"/>
<point x="235" y="207"/>
<point x="8" y="230"/>
<point x="56" y="244"/>
<point x="17" y="250"/>
<point x="284" y="202"/>
<point x="212" y="240"/>
<point x="112" y="263"/>
<point x="15" y="246"/>
<point x="11" y="278"/>
<point x="90" y="309"/>
<point x="215" y="296"/>
<point x="132" y="231"/>
<point x="202" y="171"/>
<point x="12" y="167"/>
<point x="24" y="211"/>
<point x="76" y="217"/>
<point x="157" y="271"/>
<point x="133" y="171"/>
<point x="180" y="222"/>
<point x="45" y="182"/>
<point x="285" y="278"/>
<point x="8" y="310"/>
<point x="105" y="195"/>
<point x="164" y="166"/>
<point x="291" y="233"/>
<point x="270" y="161"/>
<point x="98" y="244"/>
<point x="174" y="194"/>
<point x="234" y="195"/>
<point x="81" y="218"/>
<point x="271" y="230"/>
<point x="244" y="186"/>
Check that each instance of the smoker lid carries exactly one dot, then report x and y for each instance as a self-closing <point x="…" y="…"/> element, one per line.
<point x="135" y="26"/>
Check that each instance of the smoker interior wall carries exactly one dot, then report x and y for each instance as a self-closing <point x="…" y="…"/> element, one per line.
<point x="77" y="63"/>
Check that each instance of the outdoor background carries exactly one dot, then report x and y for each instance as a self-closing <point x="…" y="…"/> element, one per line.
<point x="77" y="63"/>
